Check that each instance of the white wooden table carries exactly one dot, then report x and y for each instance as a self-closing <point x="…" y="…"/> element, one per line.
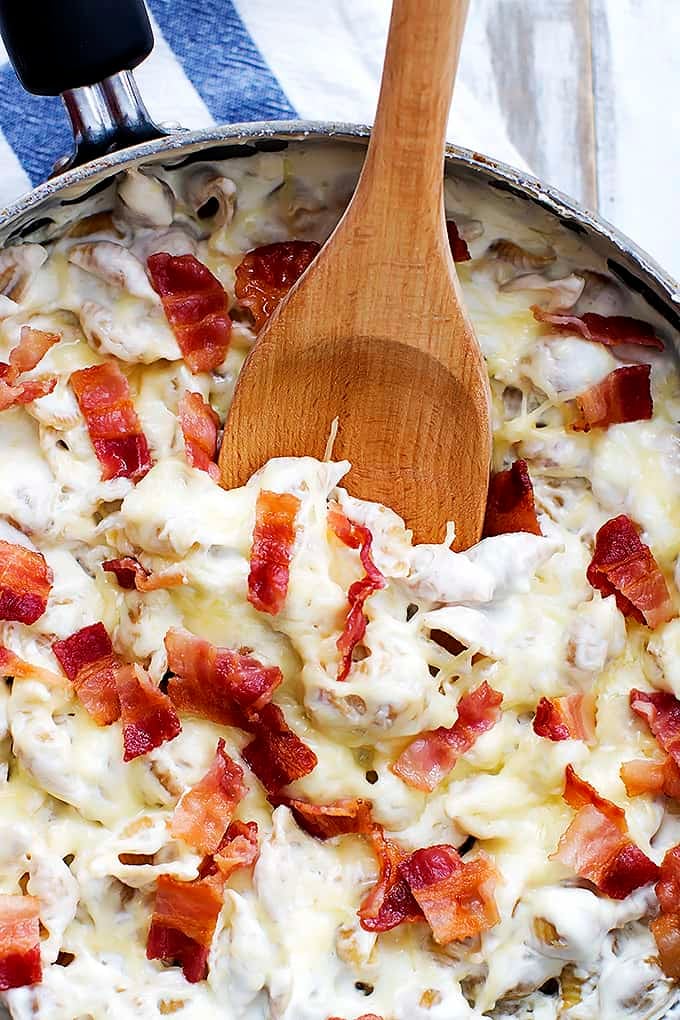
<point x="583" y="92"/>
<point x="588" y="93"/>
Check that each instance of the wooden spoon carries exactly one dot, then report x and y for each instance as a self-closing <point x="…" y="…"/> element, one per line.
<point x="375" y="333"/>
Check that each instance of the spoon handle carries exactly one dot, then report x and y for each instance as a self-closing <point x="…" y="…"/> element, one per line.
<point x="405" y="156"/>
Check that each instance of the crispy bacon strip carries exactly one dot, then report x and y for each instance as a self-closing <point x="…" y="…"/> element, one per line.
<point x="432" y="755"/>
<point x="88" y="659"/>
<point x="19" y="941"/>
<point x="666" y="931"/>
<point x="239" y="848"/>
<point x="32" y="347"/>
<point x="103" y="396"/>
<point x="199" y="425"/>
<point x="109" y="690"/>
<point x="623" y="395"/>
<point x="510" y="504"/>
<point x="12" y="665"/>
<point x="434" y="884"/>
<point x="131" y="575"/>
<point x="597" y="845"/>
<point x="265" y="275"/>
<point x="219" y="684"/>
<point x="568" y="718"/>
<point x="579" y="794"/>
<point x="355" y="536"/>
<point x="270" y="555"/>
<point x="609" y="330"/>
<point x="456" y="896"/>
<point x="655" y="777"/>
<point x="236" y="690"/>
<point x="623" y="566"/>
<point x="459" y="247"/>
<point x="183" y="923"/>
<point x="276" y="754"/>
<point x="390" y="902"/>
<point x="25" y="392"/>
<point x="196" y="306"/>
<point x="185" y="913"/>
<point x="324" y="821"/>
<point x="668" y="886"/>
<point x="25" y="583"/>
<point x="661" y="712"/>
<point x="148" y="716"/>
<point x="203" y="815"/>
<point x="666" y="927"/>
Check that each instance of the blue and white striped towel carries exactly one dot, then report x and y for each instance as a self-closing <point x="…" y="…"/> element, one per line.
<point x="237" y="60"/>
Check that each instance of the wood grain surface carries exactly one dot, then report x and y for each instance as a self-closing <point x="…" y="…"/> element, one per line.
<point x="586" y="91"/>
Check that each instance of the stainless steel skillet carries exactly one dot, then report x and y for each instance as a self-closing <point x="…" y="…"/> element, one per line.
<point x="86" y="51"/>
<point x="114" y="132"/>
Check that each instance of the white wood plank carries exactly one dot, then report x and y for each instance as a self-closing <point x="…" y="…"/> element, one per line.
<point x="530" y="59"/>
<point x="636" y="70"/>
<point x="328" y="60"/>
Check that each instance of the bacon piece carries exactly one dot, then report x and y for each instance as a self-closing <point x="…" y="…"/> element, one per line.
<point x="103" y="396"/>
<point x="623" y="566"/>
<point x="623" y="395"/>
<point x="12" y="665"/>
<point x="597" y="845"/>
<point x="183" y="923"/>
<point x="668" y="886"/>
<point x="276" y="754"/>
<point x="364" y="1016"/>
<point x="203" y="815"/>
<point x="666" y="931"/>
<point x="432" y="755"/>
<point x="239" y="848"/>
<point x="89" y="662"/>
<point x="25" y="392"/>
<point x="609" y="330"/>
<point x="199" y="427"/>
<point x="25" y="583"/>
<point x="185" y="913"/>
<point x="217" y="683"/>
<point x="19" y="941"/>
<point x="355" y="536"/>
<point x="196" y="306"/>
<point x="459" y="247"/>
<point x="666" y="927"/>
<point x="148" y="716"/>
<point x="339" y="818"/>
<point x="270" y="555"/>
<point x="510" y="504"/>
<point x="549" y="722"/>
<point x="234" y="689"/>
<point x="456" y="896"/>
<point x="579" y="794"/>
<point x="131" y="575"/>
<point x="661" y="711"/>
<point x="265" y="275"/>
<point x="655" y="777"/>
<point x="390" y="902"/>
<point x="32" y="347"/>
<point x="568" y="718"/>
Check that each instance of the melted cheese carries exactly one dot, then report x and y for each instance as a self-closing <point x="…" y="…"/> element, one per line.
<point x="288" y="944"/>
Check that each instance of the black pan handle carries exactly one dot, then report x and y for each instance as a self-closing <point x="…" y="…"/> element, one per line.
<point x="85" y="51"/>
<point x="56" y="45"/>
